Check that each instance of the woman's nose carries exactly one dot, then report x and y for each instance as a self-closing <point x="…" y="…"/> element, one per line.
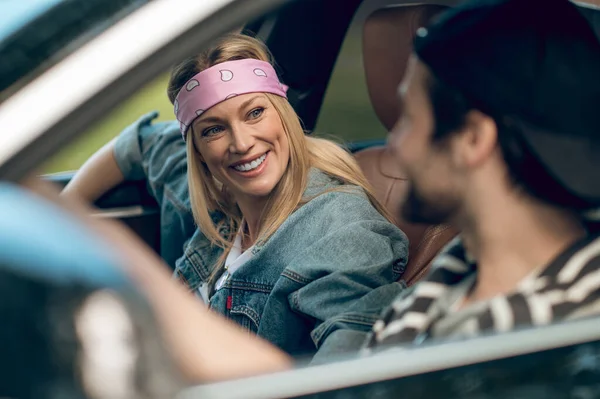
<point x="241" y="140"/>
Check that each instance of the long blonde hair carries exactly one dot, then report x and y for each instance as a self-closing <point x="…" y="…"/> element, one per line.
<point x="208" y="195"/>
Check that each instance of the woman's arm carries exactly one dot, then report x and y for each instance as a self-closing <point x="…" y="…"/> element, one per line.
<point x="148" y="151"/>
<point x="98" y="174"/>
<point x="152" y="153"/>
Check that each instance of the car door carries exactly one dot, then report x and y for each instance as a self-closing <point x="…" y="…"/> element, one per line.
<point x="558" y="361"/>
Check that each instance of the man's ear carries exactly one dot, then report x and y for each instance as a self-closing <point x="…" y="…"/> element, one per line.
<point x="478" y="139"/>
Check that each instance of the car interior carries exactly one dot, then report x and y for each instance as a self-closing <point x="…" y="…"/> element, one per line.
<point x="299" y="33"/>
<point x="387" y="44"/>
<point x="386" y="47"/>
<point x="387" y="34"/>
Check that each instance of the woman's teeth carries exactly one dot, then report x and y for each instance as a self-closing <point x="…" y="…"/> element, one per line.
<point x="250" y="165"/>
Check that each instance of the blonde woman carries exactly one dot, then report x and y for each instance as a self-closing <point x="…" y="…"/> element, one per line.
<point x="288" y="240"/>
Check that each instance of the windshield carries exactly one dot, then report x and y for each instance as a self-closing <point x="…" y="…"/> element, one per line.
<point x="35" y="34"/>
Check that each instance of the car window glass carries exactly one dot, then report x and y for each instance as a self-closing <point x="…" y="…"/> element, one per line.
<point x="151" y="97"/>
<point x="346" y="112"/>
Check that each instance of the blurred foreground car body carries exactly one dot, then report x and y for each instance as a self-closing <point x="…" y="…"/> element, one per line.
<point x="73" y="324"/>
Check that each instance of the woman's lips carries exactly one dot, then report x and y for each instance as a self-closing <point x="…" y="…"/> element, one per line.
<point x="256" y="171"/>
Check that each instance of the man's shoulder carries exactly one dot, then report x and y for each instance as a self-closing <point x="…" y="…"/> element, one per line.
<point x="575" y="262"/>
<point x="570" y="285"/>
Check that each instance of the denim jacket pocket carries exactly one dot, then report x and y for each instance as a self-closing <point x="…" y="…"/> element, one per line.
<point x="247" y="307"/>
<point x="247" y="317"/>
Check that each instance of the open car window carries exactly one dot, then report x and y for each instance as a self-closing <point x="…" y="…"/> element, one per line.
<point x="142" y="54"/>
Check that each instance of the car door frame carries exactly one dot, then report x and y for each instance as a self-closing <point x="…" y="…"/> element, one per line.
<point x="406" y="366"/>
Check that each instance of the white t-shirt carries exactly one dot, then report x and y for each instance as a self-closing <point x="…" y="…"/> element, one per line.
<point x="235" y="259"/>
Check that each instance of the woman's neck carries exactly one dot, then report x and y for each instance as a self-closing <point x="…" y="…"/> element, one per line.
<point x="252" y="212"/>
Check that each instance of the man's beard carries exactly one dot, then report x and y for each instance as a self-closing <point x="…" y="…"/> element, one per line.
<point x="417" y="208"/>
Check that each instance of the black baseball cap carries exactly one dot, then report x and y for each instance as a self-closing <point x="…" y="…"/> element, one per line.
<point x="533" y="63"/>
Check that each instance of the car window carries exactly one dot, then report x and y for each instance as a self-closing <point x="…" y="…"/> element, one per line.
<point x="346" y="112"/>
<point x="152" y="97"/>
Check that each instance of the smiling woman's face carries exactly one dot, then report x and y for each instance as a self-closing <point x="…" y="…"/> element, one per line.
<point x="243" y="143"/>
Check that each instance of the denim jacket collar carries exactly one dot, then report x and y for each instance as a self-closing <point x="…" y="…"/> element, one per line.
<point x="200" y="256"/>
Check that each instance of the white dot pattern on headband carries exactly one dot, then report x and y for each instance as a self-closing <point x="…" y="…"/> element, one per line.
<point x="192" y="84"/>
<point x="260" y="72"/>
<point x="226" y="75"/>
<point x="422" y="32"/>
<point x="230" y="79"/>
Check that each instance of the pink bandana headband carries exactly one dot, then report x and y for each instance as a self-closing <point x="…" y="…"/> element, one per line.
<point x="221" y="82"/>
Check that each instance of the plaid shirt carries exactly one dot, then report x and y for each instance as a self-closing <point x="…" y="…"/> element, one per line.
<point x="568" y="288"/>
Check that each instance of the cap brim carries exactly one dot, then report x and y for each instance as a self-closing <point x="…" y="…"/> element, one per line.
<point x="572" y="160"/>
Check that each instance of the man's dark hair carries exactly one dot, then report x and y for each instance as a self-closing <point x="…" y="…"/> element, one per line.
<point x="450" y="108"/>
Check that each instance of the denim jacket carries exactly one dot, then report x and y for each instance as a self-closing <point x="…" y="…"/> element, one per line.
<point x="317" y="284"/>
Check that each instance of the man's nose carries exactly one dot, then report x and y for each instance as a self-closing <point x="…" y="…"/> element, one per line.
<point x="241" y="140"/>
<point x="394" y="141"/>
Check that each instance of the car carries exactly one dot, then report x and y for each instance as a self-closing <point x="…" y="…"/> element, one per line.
<point x="558" y="361"/>
<point x="67" y="64"/>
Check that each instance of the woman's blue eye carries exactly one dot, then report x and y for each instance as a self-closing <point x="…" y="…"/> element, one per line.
<point x="255" y="113"/>
<point x="211" y="131"/>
